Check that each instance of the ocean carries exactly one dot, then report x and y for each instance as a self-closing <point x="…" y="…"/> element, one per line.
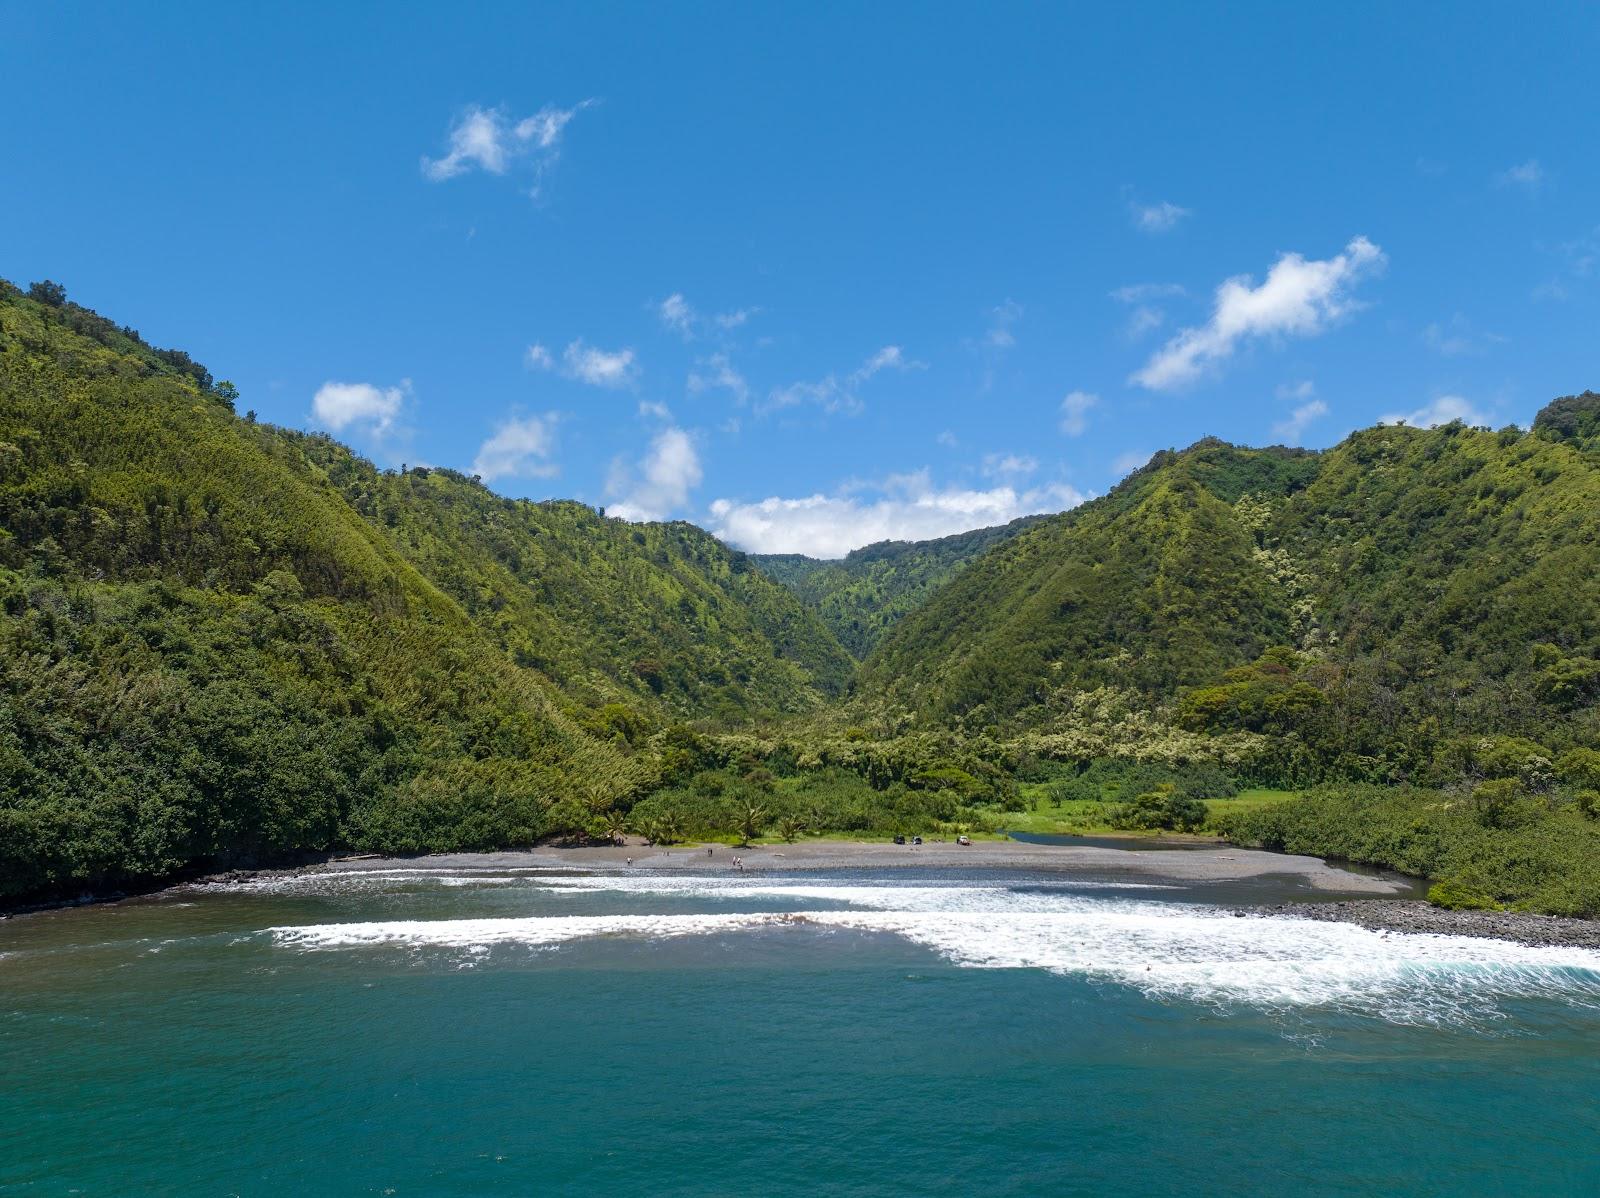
<point x="440" y="1030"/>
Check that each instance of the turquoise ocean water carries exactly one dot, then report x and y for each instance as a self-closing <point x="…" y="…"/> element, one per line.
<point x="456" y="1031"/>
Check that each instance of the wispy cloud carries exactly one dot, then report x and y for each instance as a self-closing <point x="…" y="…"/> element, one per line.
<point x="1075" y="412"/>
<point x="1311" y="409"/>
<point x="1579" y="260"/>
<point x="1147" y="312"/>
<point x="833" y="395"/>
<point x="1002" y="320"/>
<point x="1456" y="337"/>
<point x="587" y="363"/>
<point x="679" y="315"/>
<point x="717" y="373"/>
<point x="1299" y="298"/>
<point x="1441" y="411"/>
<point x="660" y="483"/>
<point x="489" y="139"/>
<point x="890" y="357"/>
<point x="520" y="448"/>
<point x="906" y="507"/>
<point x="1013" y="467"/>
<point x="1529" y="176"/>
<point x="1156" y="218"/>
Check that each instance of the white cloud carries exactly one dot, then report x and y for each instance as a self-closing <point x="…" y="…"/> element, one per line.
<point x="677" y="315"/>
<point x="830" y="394"/>
<point x="1011" y="466"/>
<point x="538" y="358"/>
<point x="650" y="408"/>
<point x="372" y="410"/>
<point x="908" y="508"/>
<point x="1298" y="298"/>
<point x="1293" y="428"/>
<point x="1157" y="218"/>
<point x="1075" y="412"/>
<point x="717" y="373"/>
<point x="598" y="367"/>
<point x="888" y="358"/>
<point x="669" y="470"/>
<point x="489" y="140"/>
<point x="1144" y="319"/>
<point x="1304" y="389"/>
<point x="732" y="320"/>
<point x="1527" y="175"/>
<point x="1441" y="411"/>
<point x="947" y="439"/>
<point x="519" y="448"/>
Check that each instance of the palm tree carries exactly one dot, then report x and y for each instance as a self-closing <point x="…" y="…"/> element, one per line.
<point x="750" y="814"/>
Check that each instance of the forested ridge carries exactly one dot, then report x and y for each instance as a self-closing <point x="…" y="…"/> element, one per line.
<point x="229" y="643"/>
<point x="862" y="595"/>
<point x="225" y="642"/>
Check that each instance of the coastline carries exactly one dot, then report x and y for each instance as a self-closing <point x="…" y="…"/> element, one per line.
<point x="1142" y="860"/>
<point x="1333" y="893"/>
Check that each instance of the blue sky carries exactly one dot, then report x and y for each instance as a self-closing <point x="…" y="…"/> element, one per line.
<point x="816" y="275"/>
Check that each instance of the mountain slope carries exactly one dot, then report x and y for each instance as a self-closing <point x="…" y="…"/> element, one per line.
<point x="659" y="615"/>
<point x="860" y="596"/>
<point x="211" y="654"/>
<point x="1422" y="584"/>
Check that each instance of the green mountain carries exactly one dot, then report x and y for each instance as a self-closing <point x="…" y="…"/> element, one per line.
<point x="1413" y="584"/>
<point x="860" y="596"/>
<point x="225" y="642"/>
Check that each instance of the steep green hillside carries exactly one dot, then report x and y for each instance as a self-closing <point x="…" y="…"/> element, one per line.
<point x="860" y="596"/>
<point x="662" y="616"/>
<point x="1419" y="585"/>
<point x="1152" y="586"/>
<point x="226" y="643"/>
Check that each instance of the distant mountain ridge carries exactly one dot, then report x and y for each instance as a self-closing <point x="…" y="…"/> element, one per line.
<point x="861" y="596"/>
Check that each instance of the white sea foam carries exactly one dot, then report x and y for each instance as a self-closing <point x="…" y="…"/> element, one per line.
<point x="482" y="933"/>
<point x="1164" y="950"/>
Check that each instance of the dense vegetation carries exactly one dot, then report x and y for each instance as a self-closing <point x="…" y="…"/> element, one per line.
<point x="860" y="596"/>
<point x="223" y="642"/>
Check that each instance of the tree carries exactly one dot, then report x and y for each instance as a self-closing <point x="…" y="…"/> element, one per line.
<point x="750" y="815"/>
<point x="47" y="292"/>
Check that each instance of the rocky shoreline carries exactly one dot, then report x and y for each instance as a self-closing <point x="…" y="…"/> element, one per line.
<point x="1414" y="916"/>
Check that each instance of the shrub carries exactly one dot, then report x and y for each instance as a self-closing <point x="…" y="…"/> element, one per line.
<point x="1455" y="895"/>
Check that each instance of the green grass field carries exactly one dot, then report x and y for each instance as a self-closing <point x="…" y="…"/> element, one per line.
<point x="1088" y="817"/>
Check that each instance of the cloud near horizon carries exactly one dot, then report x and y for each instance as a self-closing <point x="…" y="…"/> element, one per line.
<point x="1299" y="298"/>
<point x="660" y="484"/>
<point x="908" y="508"/>
<point x="1441" y="411"/>
<point x="519" y="448"/>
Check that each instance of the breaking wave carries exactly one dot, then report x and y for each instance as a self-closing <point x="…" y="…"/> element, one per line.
<point x="1166" y="951"/>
